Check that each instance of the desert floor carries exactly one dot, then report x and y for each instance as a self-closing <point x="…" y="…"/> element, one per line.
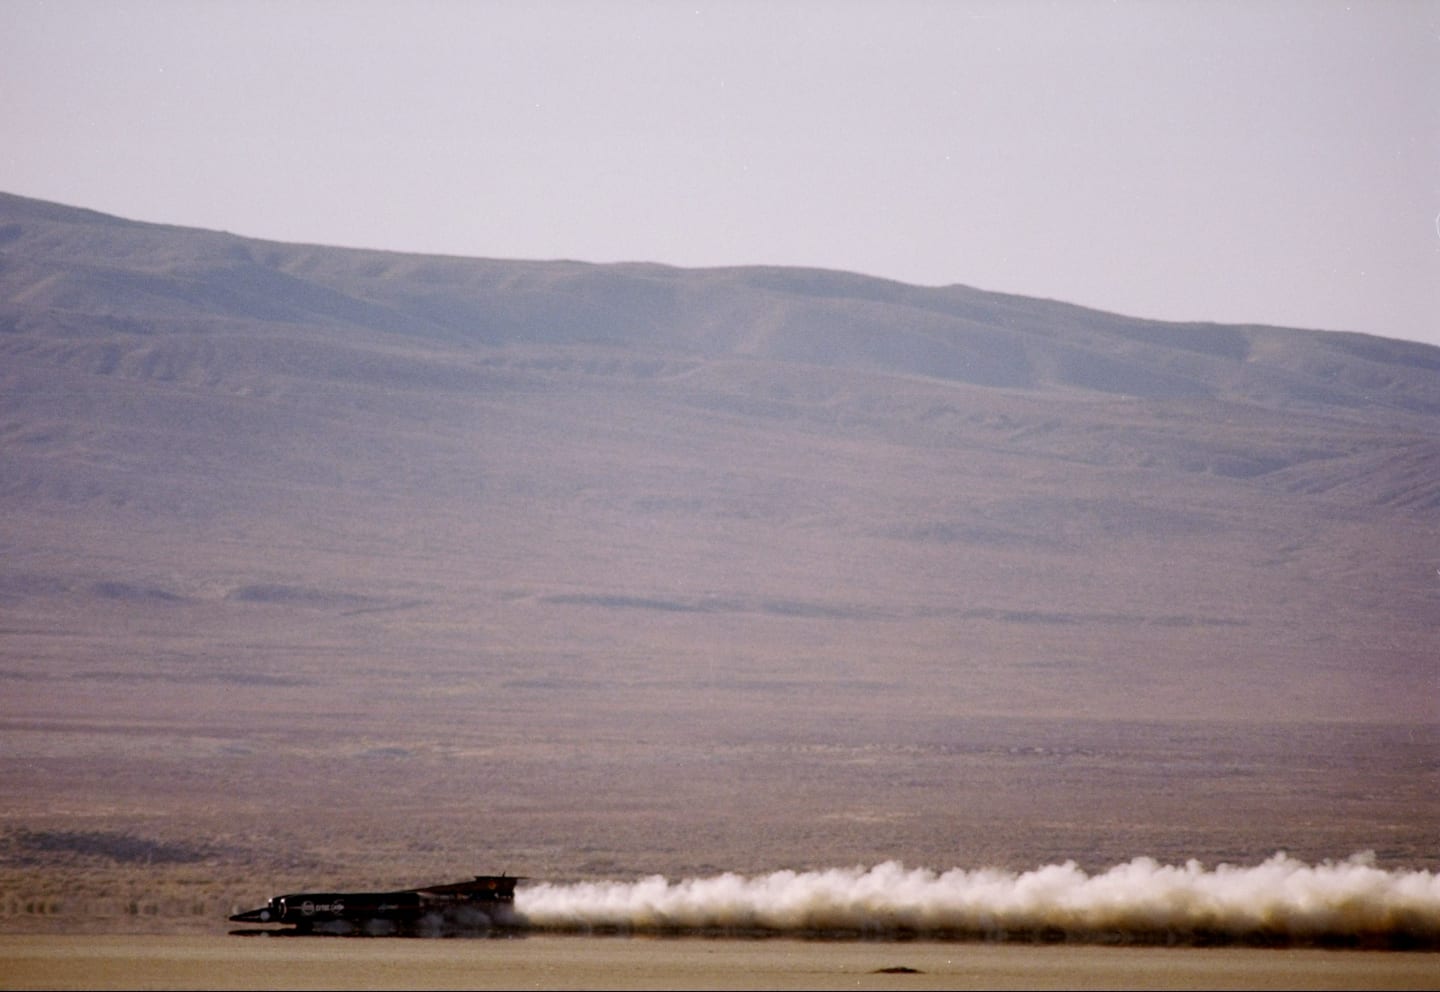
<point x="126" y="962"/>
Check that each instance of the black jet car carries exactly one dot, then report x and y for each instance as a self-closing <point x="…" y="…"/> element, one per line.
<point x="483" y="904"/>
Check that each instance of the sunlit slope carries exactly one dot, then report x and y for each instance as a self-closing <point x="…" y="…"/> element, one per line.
<point x="63" y="263"/>
<point x="371" y="567"/>
<point x="707" y="482"/>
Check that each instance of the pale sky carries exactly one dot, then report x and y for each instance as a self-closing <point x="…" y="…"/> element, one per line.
<point x="1249" y="161"/>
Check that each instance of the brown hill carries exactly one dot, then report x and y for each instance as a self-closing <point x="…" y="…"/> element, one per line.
<point x="629" y="567"/>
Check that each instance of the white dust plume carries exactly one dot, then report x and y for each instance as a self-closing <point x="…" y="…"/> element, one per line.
<point x="1281" y="900"/>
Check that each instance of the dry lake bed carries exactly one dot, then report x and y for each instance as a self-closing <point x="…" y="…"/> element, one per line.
<point x="551" y="962"/>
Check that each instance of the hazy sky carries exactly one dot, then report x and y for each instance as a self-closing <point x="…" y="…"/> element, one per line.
<point x="1247" y="161"/>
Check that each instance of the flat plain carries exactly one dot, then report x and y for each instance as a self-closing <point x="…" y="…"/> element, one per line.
<point x="606" y="963"/>
<point x="335" y="569"/>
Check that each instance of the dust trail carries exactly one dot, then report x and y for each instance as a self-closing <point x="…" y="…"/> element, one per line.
<point x="1280" y="901"/>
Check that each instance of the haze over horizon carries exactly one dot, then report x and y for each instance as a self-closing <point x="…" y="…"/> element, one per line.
<point x="1239" y="163"/>
<point x="625" y="572"/>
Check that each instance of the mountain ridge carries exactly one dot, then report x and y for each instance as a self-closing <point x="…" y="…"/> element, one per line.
<point x="638" y="568"/>
<point x="813" y="316"/>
